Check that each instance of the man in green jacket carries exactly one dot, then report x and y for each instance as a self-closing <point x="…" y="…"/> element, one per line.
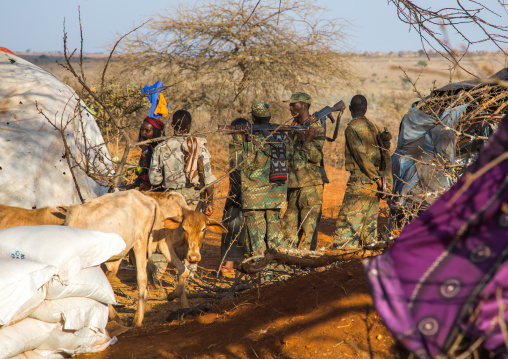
<point x="262" y="197"/>
<point x="306" y="177"/>
<point x="357" y="220"/>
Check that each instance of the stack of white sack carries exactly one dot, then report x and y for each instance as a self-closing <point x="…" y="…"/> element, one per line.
<point x="53" y="295"/>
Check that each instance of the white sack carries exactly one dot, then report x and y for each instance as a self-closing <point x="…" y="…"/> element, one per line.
<point x="29" y="306"/>
<point x="83" y="341"/>
<point x="68" y="249"/>
<point x="75" y="313"/>
<point x="31" y="355"/>
<point x="89" y="283"/>
<point x="33" y="171"/>
<point x="23" y="336"/>
<point x="20" y="281"/>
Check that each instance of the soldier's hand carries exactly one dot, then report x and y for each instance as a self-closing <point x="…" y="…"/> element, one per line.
<point x="383" y="194"/>
<point x="300" y="135"/>
<point x="341" y="106"/>
<point x="309" y="136"/>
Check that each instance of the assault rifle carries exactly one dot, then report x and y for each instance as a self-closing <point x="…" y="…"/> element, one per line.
<point x="320" y="115"/>
<point x="271" y="127"/>
<point x="383" y="139"/>
<point x="325" y="112"/>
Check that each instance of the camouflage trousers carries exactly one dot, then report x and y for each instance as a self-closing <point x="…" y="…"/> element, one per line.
<point x="301" y="220"/>
<point x="263" y="230"/>
<point x="357" y="220"/>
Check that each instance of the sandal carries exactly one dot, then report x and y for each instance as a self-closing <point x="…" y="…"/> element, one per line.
<point x="227" y="272"/>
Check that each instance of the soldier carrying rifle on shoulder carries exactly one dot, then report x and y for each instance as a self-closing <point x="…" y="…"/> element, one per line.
<point x="301" y="165"/>
<point x="306" y="172"/>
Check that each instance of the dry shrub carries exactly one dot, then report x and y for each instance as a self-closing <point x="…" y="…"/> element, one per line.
<point x="395" y="104"/>
<point x="218" y="57"/>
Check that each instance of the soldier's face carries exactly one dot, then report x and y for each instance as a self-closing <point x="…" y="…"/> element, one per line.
<point x="296" y="108"/>
<point x="146" y="131"/>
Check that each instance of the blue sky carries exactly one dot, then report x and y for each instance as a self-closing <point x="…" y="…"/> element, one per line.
<point x="37" y="25"/>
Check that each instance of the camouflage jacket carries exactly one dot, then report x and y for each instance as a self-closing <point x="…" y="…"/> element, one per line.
<point x="362" y="152"/>
<point x="306" y="160"/>
<point x="257" y="191"/>
<point x="168" y="162"/>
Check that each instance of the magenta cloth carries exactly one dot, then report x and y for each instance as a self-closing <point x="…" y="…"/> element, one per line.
<point x="446" y="259"/>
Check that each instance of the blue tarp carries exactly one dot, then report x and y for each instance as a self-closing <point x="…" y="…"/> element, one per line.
<point x="424" y="142"/>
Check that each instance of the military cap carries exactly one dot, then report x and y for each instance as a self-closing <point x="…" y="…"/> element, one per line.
<point x="261" y="109"/>
<point x="299" y="97"/>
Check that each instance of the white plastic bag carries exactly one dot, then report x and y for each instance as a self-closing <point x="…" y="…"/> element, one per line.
<point x="89" y="283"/>
<point x="23" y="336"/>
<point x="68" y="249"/>
<point x="75" y="313"/>
<point x="19" y="282"/>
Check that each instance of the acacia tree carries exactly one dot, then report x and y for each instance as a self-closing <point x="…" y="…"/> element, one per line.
<point x="225" y="53"/>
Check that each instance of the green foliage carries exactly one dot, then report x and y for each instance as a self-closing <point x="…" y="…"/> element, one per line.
<point x="422" y="63"/>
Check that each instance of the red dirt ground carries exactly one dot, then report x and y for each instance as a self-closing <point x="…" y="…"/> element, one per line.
<point x="322" y="314"/>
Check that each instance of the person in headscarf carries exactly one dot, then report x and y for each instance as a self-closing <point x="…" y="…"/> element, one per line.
<point x="150" y="128"/>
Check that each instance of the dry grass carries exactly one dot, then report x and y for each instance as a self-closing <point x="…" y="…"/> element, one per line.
<point x="379" y="79"/>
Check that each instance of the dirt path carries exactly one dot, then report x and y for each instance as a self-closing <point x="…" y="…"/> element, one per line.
<point x="319" y="315"/>
<point x="326" y="314"/>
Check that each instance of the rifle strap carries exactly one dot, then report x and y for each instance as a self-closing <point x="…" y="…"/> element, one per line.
<point x="336" y="131"/>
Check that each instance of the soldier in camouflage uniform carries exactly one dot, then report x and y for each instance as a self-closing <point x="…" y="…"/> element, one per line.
<point x="262" y="200"/>
<point x="168" y="162"/>
<point x="357" y="221"/>
<point x="306" y="177"/>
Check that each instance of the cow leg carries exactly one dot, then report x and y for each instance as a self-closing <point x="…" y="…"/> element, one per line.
<point x="112" y="267"/>
<point x="113" y="315"/>
<point x="180" y="289"/>
<point x="140" y="255"/>
<point x="169" y="252"/>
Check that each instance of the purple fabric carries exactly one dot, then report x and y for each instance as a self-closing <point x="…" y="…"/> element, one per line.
<point x="424" y="285"/>
<point x="486" y="323"/>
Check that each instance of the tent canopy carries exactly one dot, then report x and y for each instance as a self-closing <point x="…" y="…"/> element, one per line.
<point x="33" y="169"/>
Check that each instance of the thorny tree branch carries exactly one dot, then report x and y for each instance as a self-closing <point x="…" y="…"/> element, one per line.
<point x="322" y="260"/>
<point x="114" y="120"/>
<point x="426" y="22"/>
<point x="67" y="154"/>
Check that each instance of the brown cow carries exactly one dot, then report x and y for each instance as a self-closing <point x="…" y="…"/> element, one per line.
<point x="20" y="217"/>
<point x="133" y="216"/>
<point x="180" y="239"/>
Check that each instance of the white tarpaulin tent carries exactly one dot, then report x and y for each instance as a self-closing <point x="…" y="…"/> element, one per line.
<point x="33" y="169"/>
